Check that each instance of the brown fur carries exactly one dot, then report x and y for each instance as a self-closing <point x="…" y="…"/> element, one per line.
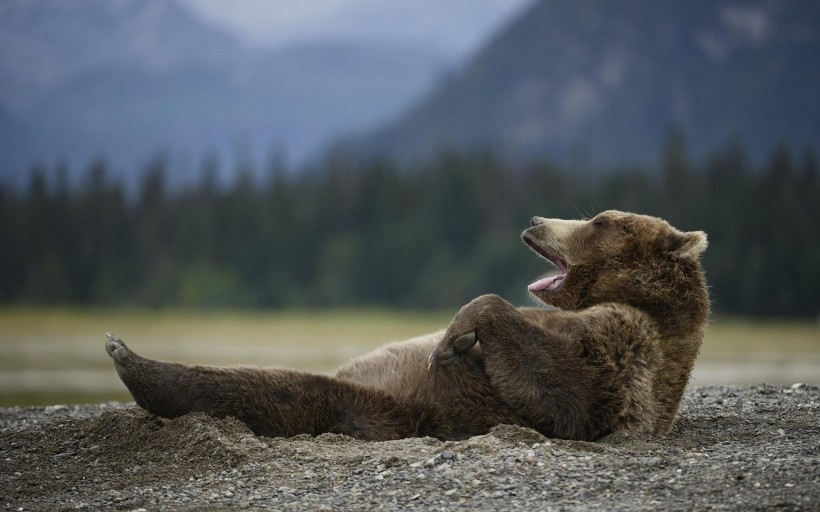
<point x="616" y="355"/>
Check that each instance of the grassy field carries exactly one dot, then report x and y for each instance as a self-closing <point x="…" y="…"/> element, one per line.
<point x="57" y="356"/>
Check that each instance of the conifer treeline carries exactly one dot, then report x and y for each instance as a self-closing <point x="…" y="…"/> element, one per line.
<point x="370" y="234"/>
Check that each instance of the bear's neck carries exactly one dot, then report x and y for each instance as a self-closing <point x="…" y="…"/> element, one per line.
<point x="672" y="292"/>
<point x="677" y="298"/>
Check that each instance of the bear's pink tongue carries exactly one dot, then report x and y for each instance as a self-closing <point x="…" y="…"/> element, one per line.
<point x="548" y="283"/>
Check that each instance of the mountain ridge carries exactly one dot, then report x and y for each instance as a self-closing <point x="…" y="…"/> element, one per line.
<point x="611" y="80"/>
<point x="126" y="80"/>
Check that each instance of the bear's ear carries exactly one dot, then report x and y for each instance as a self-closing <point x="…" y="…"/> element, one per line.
<point x="690" y="244"/>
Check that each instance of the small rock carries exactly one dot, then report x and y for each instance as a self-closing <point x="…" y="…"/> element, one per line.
<point x="447" y="455"/>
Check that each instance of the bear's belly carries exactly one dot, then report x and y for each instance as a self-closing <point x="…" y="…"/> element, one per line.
<point x="399" y="369"/>
<point x="453" y="402"/>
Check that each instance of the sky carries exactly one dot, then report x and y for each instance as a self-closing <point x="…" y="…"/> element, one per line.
<point x="453" y="28"/>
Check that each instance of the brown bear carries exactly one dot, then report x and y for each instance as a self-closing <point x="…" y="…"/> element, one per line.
<point x="632" y="306"/>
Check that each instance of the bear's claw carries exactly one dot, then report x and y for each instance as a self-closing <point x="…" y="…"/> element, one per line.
<point x="442" y="358"/>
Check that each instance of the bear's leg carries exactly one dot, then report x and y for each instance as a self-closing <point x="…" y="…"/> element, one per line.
<point x="529" y="367"/>
<point x="272" y="402"/>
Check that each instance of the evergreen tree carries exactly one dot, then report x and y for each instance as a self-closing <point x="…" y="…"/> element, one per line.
<point x="369" y="233"/>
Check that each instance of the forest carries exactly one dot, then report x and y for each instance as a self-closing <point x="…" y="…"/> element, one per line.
<point x="370" y="233"/>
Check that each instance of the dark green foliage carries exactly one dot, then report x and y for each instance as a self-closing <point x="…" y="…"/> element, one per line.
<point x="360" y="233"/>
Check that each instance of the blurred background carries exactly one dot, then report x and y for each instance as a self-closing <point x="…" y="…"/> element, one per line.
<point x="294" y="183"/>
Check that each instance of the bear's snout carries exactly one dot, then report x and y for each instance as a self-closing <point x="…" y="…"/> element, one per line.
<point x="536" y="221"/>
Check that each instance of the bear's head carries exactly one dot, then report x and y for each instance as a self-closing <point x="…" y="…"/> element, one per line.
<point x="618" y="257"/>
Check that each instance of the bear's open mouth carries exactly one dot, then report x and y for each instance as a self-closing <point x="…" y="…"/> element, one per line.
<point x="551" y="283"/>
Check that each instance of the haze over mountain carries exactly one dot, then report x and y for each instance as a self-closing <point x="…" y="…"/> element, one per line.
<point x="126" y="79"/>
<point x="454" y="28"/>
<point x="609" y="80"/>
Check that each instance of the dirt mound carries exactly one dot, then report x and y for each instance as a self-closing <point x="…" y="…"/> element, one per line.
<point x="742" y="448"/>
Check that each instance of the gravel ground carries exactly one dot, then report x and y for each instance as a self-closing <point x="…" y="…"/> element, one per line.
<point x="733" y="448"/>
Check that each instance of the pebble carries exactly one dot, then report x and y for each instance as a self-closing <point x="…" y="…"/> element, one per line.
<point x="742" y="437"/>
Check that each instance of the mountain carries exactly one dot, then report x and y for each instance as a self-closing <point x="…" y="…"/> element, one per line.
<point x="609" y="80"/>
<point x="127" y="79"/>
<point x="44" y="44"/>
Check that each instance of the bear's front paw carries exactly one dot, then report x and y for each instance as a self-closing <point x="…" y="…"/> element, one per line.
<point x="450" y="349"/>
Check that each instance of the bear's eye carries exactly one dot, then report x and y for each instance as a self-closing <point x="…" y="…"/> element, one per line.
<point x="599" y="221"/>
